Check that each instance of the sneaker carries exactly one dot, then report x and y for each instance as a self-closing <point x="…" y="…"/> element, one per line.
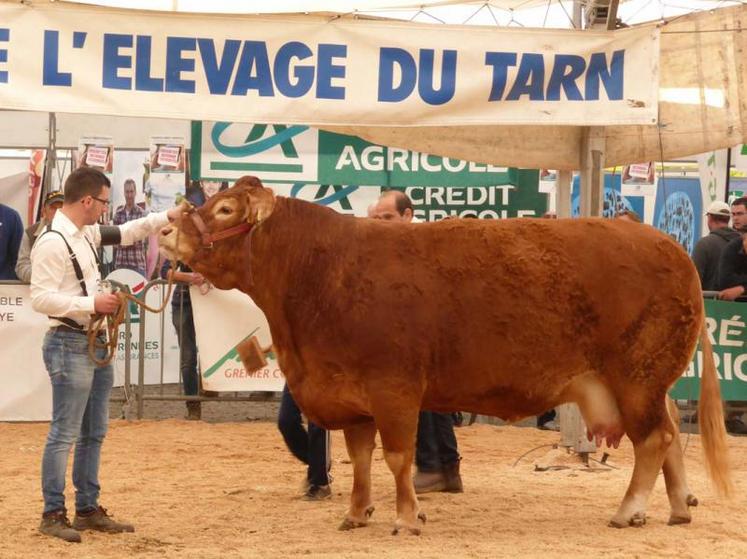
<point x="98" y="519"/>
<point x="429" y="482"/>
<point x="317" y="493"/>
<point x="57" y="525"/>
<point x="736" y="426"/>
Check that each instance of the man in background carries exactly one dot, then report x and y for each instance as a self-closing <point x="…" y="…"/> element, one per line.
<point x="707" y="251"/>
<point x="436" y="452"/>
<point x="11" y="232"/>
<point x="732" y="283"/>
<point x="130" y="257"/>
<point x="52" y="202"/>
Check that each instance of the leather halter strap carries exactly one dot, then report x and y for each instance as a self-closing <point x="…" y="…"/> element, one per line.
<point x="209" y="238"/>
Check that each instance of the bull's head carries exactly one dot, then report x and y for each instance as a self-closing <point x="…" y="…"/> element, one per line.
<point x="206" y="238"/>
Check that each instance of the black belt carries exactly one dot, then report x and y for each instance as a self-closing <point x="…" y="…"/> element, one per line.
<point x="64" y="328"/>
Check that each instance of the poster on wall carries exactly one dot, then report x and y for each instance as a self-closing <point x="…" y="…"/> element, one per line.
<point x="679" y="210"/>
<point x="96" y="152"/>
<point x="166" y="172"/>
<point x="615" y="201"/>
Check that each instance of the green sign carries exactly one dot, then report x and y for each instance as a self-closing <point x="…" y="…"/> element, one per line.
<point x="350" y="160"/>
<point x="728" y="332"/>
<point x="520" y="198"/>
<point x="278" y="153"/>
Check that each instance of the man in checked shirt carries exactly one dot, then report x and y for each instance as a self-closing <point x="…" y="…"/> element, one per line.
<point x="131" y="257"/>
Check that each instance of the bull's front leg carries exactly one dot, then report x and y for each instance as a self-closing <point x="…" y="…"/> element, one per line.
<point x="360" y="442"/>
<point x="398" y="427"/>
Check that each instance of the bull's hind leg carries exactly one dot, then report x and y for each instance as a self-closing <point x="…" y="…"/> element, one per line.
<point x="397" y="426"/>
<point x="360" y="441"/>
<point x="680" y="497"/>
<point x="651" y="430"/>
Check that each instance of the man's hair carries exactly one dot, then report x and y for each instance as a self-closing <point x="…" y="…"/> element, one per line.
<point x="130" y="181"/>
<point x="84" y="181"/>
<point x="631" y="214"/>
<point x="401" y="200"/>
<point x="740" y="202"/>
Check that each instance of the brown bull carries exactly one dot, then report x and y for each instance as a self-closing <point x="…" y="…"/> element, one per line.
<point x="372" y="321"/>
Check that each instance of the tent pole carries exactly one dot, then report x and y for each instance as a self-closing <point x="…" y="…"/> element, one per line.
<point x="51" y="163"/>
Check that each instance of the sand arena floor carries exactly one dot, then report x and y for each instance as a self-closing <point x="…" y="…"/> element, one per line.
<point x="231" y="489"/>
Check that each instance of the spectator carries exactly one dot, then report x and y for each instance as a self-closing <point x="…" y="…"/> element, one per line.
<point x="130" y="257"/>
<point x="732" y="281"/>
<point x="183" y="321"/>
<point x="707" y="251"/>
<point x="436" y="452"/>
<point x="181" y="312"/>
<point x="311" y="446"/>
<point x="732" y="269"/>
<point x="11" y="233"/>
<point x="52" y="202"/>
<point x="546" y="421"/>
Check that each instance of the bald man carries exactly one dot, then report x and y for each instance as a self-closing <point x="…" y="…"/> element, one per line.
<point x="436" y="454"/>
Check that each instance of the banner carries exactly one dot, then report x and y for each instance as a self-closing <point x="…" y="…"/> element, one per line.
<point x="283" y="153"/>
<point x="308" y="69"/>
<point x="36" y="176"/>
<point x="26" y="393"/>
<point x="235" y="316"/>
<point x="726" y="329"/>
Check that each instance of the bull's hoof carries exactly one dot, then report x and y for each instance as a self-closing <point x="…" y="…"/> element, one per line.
<point x="414" y="530"/>
<point x="692" y="500"/>
<point x="675" y="520"/>
<point x="637" y="520"/>
<point x="352" y="523"/>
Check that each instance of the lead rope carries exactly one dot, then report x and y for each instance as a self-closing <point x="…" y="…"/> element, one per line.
<point x="112" y="322"/>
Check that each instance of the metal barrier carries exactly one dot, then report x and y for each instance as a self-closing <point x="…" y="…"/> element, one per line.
<point x="140" y="395"/>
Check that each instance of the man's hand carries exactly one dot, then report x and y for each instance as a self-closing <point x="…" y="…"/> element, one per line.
<point x="197" y="279"/>
<point x="105" y="303"/>
<point x="731" y="293"/>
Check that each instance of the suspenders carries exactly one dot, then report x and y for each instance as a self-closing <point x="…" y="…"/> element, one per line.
<point x="78" y="274"/>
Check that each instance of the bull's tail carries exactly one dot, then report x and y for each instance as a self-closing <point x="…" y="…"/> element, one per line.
<point x="711" y="421"/>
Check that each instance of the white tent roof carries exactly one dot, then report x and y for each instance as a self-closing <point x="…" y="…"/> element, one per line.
<point x="525" y="13"/>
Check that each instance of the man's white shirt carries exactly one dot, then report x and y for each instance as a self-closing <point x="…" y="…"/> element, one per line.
<point x="55" y="289"/>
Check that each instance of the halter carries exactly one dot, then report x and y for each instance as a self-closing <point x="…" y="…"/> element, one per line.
<point x="209" y="238"/>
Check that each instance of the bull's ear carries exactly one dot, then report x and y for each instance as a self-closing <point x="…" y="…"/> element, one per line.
<point x="261" y="202"/>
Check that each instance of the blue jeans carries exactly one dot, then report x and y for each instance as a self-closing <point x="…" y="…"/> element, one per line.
<point x="312" y="447"/>
<point x="80" y="415"/>
<point x="181" y="317"/>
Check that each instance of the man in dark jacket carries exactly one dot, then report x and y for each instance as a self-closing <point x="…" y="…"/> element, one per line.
<point x="732" y="268"/>
<point x="707" y="250"/>
<point x="732" y="281"/>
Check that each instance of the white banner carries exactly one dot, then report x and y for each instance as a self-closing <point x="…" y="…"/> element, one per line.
<point x="313" y="70"/>
<point x="25" y="391"/>
<point x="235" y="316"/>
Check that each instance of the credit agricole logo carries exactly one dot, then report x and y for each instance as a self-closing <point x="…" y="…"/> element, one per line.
<point x="274" y="151"/>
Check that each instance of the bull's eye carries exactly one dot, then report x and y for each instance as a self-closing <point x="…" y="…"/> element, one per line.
<point x="225" y="210"/>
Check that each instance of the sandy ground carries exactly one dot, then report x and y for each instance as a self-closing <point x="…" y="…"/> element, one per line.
<point x="230" y="489"/>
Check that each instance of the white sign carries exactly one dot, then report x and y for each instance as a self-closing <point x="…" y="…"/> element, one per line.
<point x="25" y="390"/>
<point x="316" y="70"/>
<point x="222" y="320"/>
